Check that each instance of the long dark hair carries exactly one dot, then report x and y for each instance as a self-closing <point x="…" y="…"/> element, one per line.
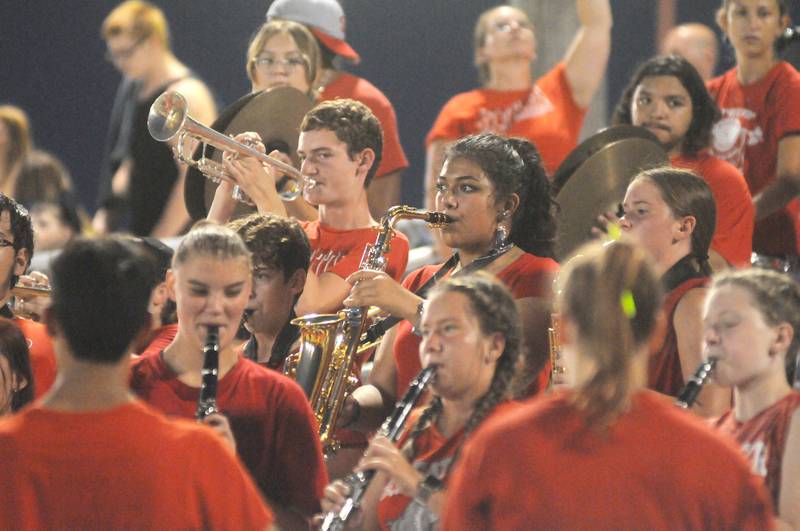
<point x="613" y="324"/>
<point x="494" y="308"/>
<point x="515" y="167"/>
<point x="14" y="348"/>
<point x="704" y="110"/>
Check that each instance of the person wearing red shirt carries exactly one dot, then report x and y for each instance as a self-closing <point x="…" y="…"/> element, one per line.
<point x="496" y="193"/>
<point x="326" y="21"/>
<point x="272" y="423"/>
<point x="667" y="96"/>
<point x="670" y="213"/>
<point x="89" y="439"/>
<point x="340" y="145"/>
<point x="472" y="337"/>
<point x="752" y="320"/>
<point x="548" y="112"/>
<point x="607" y="454"/>
<point x="758" y="132"/>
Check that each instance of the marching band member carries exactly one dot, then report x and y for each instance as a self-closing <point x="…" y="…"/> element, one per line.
<point x="326" y="20"/>
<point x="498" y="196"/>
<point x="667" y="96"/>
<point x="146" y="177"/>
<point x="608" y="454"/>
<point x="697" y="43"/>
<point x="89" y="439"/>
<point x="761" y="118"/>
<point x="670" y="212"/>
<point x="471" y="334"/>
<point x="340" y="145"/>
<point x="271" y="420"/>
<point x="549" y="112"/>
<point x="281" y="255"/>
<point x="752" y="319"/>
<point x="283" y="53"/>
<point x="16" y="377"/>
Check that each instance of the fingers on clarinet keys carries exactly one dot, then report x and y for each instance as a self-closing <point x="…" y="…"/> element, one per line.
<point x="335" y="495"/>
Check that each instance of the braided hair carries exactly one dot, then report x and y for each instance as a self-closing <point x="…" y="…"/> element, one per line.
<point x="493" y="306"/>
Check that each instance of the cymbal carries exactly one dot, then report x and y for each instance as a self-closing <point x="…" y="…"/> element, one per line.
<point x="598" y="185"/>
<point x="274" y="114"/>
<point x="592" y="145"/>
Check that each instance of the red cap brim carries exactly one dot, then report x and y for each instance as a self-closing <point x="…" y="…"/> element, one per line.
<point x="336" y="46"/>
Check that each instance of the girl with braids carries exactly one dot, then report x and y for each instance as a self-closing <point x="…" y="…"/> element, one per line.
<point x="671" y="214"/>
<point x="471" y="334"/>
<point x="497" y="193"/>
<point x="607" y="454"/>
<point x="752" y="328"/>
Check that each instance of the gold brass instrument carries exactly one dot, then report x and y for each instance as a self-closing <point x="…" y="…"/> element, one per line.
<point x="169" y="118"/>
<point x="329" y="343"/>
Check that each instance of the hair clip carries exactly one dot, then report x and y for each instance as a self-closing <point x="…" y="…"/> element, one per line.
<point x="628" y="304"/>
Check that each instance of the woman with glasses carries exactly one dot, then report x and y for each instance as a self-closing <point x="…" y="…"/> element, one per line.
<point x="548" y="111"/>
<point x="283" y="53"/>
<point x="146" y="181"/>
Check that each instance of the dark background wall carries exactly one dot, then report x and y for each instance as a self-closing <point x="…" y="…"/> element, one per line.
<point x="419" y="52"/>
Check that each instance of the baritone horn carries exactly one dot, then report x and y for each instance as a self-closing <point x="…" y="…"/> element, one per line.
<point x="169" y="118"/>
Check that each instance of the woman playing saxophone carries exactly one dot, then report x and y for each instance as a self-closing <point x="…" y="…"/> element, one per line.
<point x="471" y="335"/>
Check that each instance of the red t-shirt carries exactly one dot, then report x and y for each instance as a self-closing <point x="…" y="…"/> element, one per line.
<point x="664" y="372"/>
<point x="433" y="455"/>
<point x="124" y="468"/>
<point x="763" y="439"/>
<point x="42" y="356"/>
<point x="733" y="237"/>
<point x="527" y="276"/>
<point x="755" y="118"/>
<point x="275" y="430"/>
<point x="349" y="86"/>
<point x="657" y="468"/>
<point x="547" y="115"/>
<point x="340" y="251"/>
<point x="161" y="339"/>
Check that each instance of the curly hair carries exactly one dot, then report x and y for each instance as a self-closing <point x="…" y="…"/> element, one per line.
<point x="353" y="123"/>
<point x="514" y="166"/>
<point x="704" y="109"/>
<point x="613" y="334"/>
<point x="777" y="297"/>
<point x="274" y="241"/>
<point x="493" y="306"/>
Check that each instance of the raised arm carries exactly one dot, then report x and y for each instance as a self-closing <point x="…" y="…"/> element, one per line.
<point x="587" y="55"/>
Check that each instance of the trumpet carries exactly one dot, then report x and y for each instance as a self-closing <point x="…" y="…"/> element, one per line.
<point x="30" y="292"/>
<point x="169" y="118"/>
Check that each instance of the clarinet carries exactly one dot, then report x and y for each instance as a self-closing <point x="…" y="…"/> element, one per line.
<point x="689" y="394"/>
<point x="207" y="401"/>
<point x="391" y="428"/>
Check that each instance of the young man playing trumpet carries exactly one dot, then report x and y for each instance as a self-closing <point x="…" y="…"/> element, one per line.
<point x="340" y="148"/>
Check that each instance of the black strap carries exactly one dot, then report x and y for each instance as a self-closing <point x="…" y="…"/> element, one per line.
<point x="377" y="330"/>
<point x="679" y="273"/>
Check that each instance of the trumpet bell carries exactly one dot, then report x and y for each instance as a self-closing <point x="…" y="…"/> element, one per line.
<point x="167" y="115"/>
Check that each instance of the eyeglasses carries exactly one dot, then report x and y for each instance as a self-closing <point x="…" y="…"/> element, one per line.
<point x="268" y="63"/>
<point x="505" y="26"/>
<point x="6" y="243"/>
<point x="119" y="55"/>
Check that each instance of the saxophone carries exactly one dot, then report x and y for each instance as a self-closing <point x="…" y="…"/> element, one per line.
<point x="329" y="343"/>
<point x="391" y="428"/>
<point x="690" y="392"/>
<point x="207" y="401"/>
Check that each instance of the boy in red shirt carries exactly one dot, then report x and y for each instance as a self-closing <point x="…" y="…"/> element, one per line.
<point x="89" y="439"/>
